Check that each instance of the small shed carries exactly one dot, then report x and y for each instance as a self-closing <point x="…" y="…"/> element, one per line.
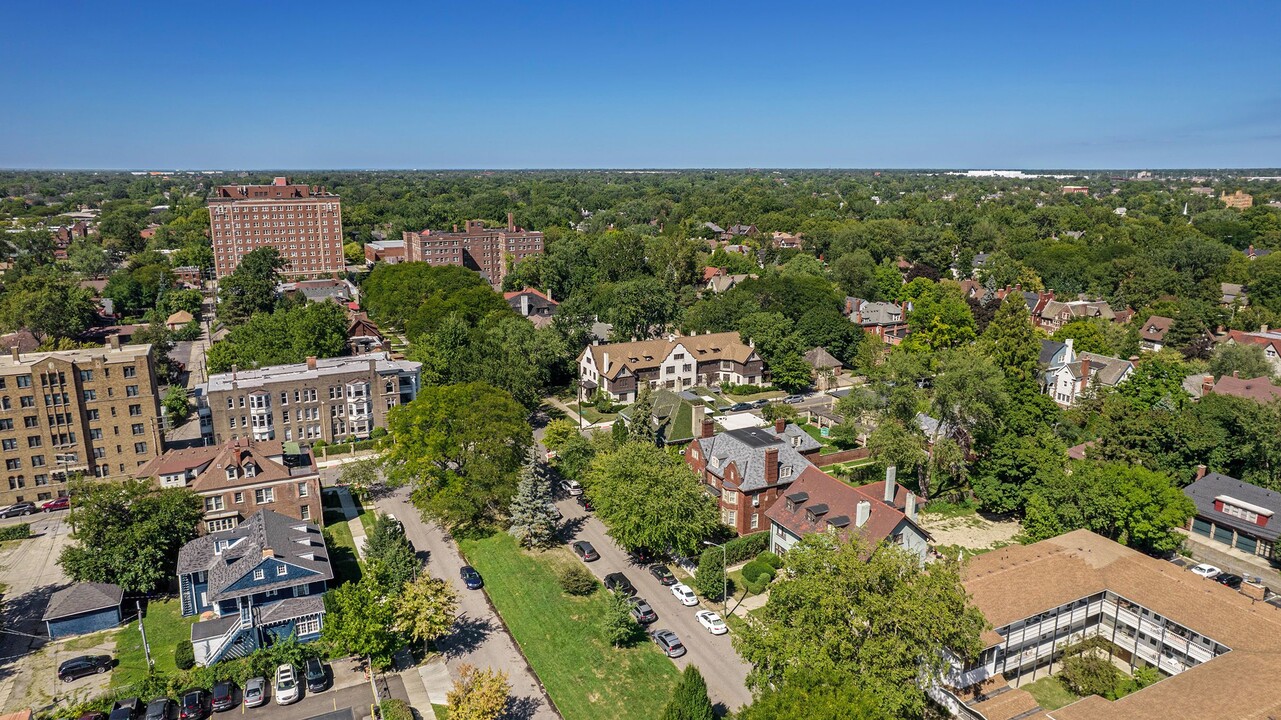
<point x="83" y="608"/>
<point x="178" y="320"/>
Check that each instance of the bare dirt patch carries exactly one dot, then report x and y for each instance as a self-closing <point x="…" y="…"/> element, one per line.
<point x="973" y="532"/>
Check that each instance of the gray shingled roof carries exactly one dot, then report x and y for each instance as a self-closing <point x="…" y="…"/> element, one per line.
<point x="746" y="449"/>
<point x="291" y="608"/>
<point x="1109" y="370"/>
<point x="264" y="531"/>
<point x="1204" y="491"/>
<point x="82" y="598"/>
<point x="1049" y="349"/>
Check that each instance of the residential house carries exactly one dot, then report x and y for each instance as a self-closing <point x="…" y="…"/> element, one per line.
<point x="824" y="366"/>
<point x="874" y="513"/>
<point x="1083" y="373"/>
<point x="364" y="337"/>
<point x="530" y="303"/>
<point x="24" y="341"/>
<point x="241" y="477"/>
<point x="741" y="230"/>
<point x="1054" y="314"/>
<point x="674" y="362"/>
<point x="83" y="608"/>
<point x="189" y="276"/>
<point x="1265" y="338"/>
<point x="978" y="263"/>
<point x="1053" y="358"/>
<point x="748" y="469"/>
<point x="254" y="584"/>
<point x="1210" y="643"/>
<point x="341" y="291"/>
<point x="718" y="280"/>
<point x="1236" y="514"/>
<point x="178" y="320"/>
<point x="888" y="321"/>
<point x="787" y="241"/>
<point x="1152" y="335"/>
<point x="1232" y="294"/>
<point x="1253" y="253"/>
<point x="1260" y="390"/>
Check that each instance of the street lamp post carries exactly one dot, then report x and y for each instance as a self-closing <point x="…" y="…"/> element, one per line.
<point x="724" y="576"/>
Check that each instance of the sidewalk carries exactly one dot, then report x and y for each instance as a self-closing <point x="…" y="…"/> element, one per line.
<point x="426" y="685"/>
<point x="556" y="403"/>
<point x="348" y="458"/>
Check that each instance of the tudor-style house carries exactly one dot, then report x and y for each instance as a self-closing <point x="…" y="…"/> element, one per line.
<point x="241" y="477"/>
<point x="750" y="468"/>
<point x="674" y="363"/>
<point x="260" y="582"/>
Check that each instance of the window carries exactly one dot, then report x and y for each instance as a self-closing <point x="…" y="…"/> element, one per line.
<point x="9" y="444"/>
<point x="263" y="496"/>
<point x="38" y="460"/>
<point x="307" y="627"/>
<point x="131" y="371"/>
<point x="238" y="498"/>
<point x="302" y="590"/>
<point x="282" y="570"/>
<point x="756" y="520"/>
<point x="42" y="479"/>
<point x="6" y="424"/>
<point x="91" y="395"/>
<point x="272" y="593"/>
<point x="232" y="474"/>
<point x="86" y="375"/>
<point x="24" y="381"/>
<point x="305" y="512"/>
<point x="213" y="504"/>
<point x="251" y="469"/>
<point x="31" y="421"/>
<point x="259" y="574"/>
<point x="140" y="448"/>
<point x="303" y="490"/>
<point x="95" y="433"/>
<point x="135" y="410"/>
<point x="13" y="464"/>
<point x="28" y="401"/>
<point x="138" y="428"/>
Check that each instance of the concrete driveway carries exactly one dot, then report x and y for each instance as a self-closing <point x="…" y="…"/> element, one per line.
<point x="724" y="671"/>
<point x="355" y="699"/>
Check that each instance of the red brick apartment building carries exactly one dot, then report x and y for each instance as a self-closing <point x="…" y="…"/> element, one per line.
<point x="477" y="247"/>
<point x="303" y="222"/>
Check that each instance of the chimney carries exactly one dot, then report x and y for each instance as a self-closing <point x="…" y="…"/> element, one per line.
<point x="862" y="512"/>
<point x="1263" y="328"/>
<point x="1200" y="471"/>
<point x="524" y="304"/>
<point x="771" y="466"/>
<point x="708" y="428"/>
<point x="511" y="222"/>
<point x="311" y="362"/>
<point x="891" y="486"/>
<point x="268" y="552"/>
<point x="1068" y="342"/>
<point x="1207" y="385"/>
<point x="606" y="368"/>
<point x="1236" y="374"/>
<point x="780" y="424"/>
<point x="233" y="372"/>
<point x="114" y="342"/>
<point x="455" y="227"/>
<point x="15" y="353"/>
<point x="909" y="506"/>
<point x="1085" y="372"/>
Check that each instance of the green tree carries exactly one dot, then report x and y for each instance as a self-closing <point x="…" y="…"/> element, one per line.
<point x="791" y="373"/>
<point x="1015" y="466"/>
<point x="251" y="287"/>
<point x="641" y="428"/>
<point x="1087" y="336"/>
<point x="709" y="579"/>
<point x="1246" y="361"/>
<point x="649" y="499"/>
<point x="289" y="335"/>
<point x="353" y="253"/>
<point x="689" y="698"/>
<point x="532" y="523"/>
<point x="617" y="623"/>
<point x="359" y="620"/>
<point x="89" y="258"/>
<point x="1012" y="345"/>
<point x="460" y="448"/>
<point x="883" y="618"/>
<point x="426" y="609"/>
<point x="810" y="695"/>
<point x="176" y="405"/>
<point x="559" y="433"/>
<point x="478" y="694"/>
<point x="48" y="304"/>
<point x="389" y="558"/>
<point x="360" y="476"/>
<point x="129" y="533"/>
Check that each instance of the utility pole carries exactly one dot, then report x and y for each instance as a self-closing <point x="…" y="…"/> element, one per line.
<point x="146" y="648"/>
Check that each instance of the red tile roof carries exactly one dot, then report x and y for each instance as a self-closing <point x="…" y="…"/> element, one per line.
<point x="531" y="291"/>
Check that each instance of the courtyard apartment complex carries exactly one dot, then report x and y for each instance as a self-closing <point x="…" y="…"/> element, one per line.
<point x="92" y="411"/>
<point x="303" y="222"/>
<point x="330" y="399"/>
<point x="477" y="247"/>
<point x="1218" y="650"/>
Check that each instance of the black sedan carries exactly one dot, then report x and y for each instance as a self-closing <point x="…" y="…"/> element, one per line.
<point x="78" y="667"/>
<point x="1228" y="579"/>
<point x="662" y="574"/>
<point x="740" y="407"/>
<point x="619" y="583"/>
<point x="585" y="551"/>
<point x="471" y="578"/>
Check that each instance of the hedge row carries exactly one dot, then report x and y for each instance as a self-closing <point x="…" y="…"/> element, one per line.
<point x="21" y="531"/>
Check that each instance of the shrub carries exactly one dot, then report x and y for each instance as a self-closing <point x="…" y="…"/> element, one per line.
<point x="378" y="432"/>
<point x="709" y="579"/>
<point x="757" y="569"/>
<point x="742" y="549"/>
<point x="395" y="710"/>
<point x="617" y="623"/>
<point x="318" y="444"/>
<point x="1091" y="675"/>
<point x="21" y="531"/>
<point x="576" y="580"/>
<point x="771" y="559"/>
<point x="184" y="656"/>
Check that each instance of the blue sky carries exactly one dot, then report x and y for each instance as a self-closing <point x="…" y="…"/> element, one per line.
<point x="473" y="84"/>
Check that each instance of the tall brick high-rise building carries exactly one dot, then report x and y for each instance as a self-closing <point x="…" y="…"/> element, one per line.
<point x="93" y="411"/>
<point x="303" y="222"/>
<point x="478" y="248"/>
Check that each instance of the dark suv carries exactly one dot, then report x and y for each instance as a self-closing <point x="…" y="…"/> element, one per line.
<point x="78" y="667"/>
<point x="314" y="671"/>
<point x="195" y="705"/>
<point x="160" y="709"/>
<point x="22" y="508"/>
<point x="130" y="709"/>
<point x="224" y="696"/>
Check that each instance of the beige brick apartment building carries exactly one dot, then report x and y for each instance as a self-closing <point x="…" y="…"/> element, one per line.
<point x="303" y="222"/>
<point x="478" y="248"/>
<point x="93" y="411"/>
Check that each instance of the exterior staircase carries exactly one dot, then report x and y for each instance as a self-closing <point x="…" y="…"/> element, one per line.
<point x="239" y="640"/>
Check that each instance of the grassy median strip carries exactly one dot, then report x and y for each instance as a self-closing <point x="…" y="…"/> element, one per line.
<point x="561" y="636"/>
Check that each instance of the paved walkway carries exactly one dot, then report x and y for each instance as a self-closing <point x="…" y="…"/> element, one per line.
<point x="348" y="504"/>
<point x="348" y="458"/>
<point x="556" y="403"/>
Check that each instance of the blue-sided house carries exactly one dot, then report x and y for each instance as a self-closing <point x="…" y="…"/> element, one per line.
<point x="83" y="608"/>
<point x="256" y="583"/>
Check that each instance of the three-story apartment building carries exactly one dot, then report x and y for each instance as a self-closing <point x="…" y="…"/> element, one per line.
<point x="328" y="399"/>
<point x="94" y="411"/>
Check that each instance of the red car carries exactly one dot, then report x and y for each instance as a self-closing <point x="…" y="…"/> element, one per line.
<point x="61" y="503"/>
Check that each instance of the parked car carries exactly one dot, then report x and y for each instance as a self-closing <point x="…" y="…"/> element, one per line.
<point x="78" y="667"/>
<point x="794" y="399"/>
<point x="22" y="508"/>
<point x="584" y="502"/>
<point x="471" y="578"/>
<point x="684" y="594"/>
<point x="1206" y="571"/>
<point x="224" y="696"/>
<point x="618" y="582"/>
<point x="713" y="622"/>
<point x="255" y="693"/>
<point x="641" y="556"/>
<point x="129" y="709"/>
<point x="759" y="403"/>
<point x="740" y="407"/>
<point x="317" y="678"/>
<point x="194" y="705"/>
<point x="1230" y="580"/>
<point x="555" y="511"/>
<point x="160" y="709"/>
<point x="61" y="503"/>
<point x="400" y="526"/>
<point x="287" y="685"/>
<point x="662" y="574"/>
<point x="641" y="610"/>
<point x="585" y="551"/>
<point x="571" y="486"/>
<point x="668" y="643"/>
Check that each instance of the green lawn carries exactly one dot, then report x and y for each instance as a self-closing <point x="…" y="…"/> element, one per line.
<point x="343" y="553"/>
<point x="441" y="711"/>
<point x="591" y="414"/>
<point x="165" y="629"/>
<point x="1050" y="693"/>
<point x="561" y="636"/>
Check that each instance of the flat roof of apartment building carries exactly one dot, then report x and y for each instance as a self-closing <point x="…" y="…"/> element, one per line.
<point x="1020" y="581"/>
<point x="248" y="379"/>
<point x="23" y="363"/>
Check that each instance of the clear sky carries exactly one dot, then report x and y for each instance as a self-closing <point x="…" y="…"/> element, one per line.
<point x="612" y="83"/>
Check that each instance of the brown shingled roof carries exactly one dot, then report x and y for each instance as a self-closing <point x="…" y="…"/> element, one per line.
<point x="1258" y="389"/>
<point x="649" y="354"/>
<point x="838" y="501"/>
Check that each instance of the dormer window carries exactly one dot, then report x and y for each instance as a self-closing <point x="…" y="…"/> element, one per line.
<point x="796" y="441"/>
<point x="259" y="574"/>
<point x="232" y="472"/>
<point x="251" y="469"/>
<point x="786" y="471"/>
<point x="282" y="569"/>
